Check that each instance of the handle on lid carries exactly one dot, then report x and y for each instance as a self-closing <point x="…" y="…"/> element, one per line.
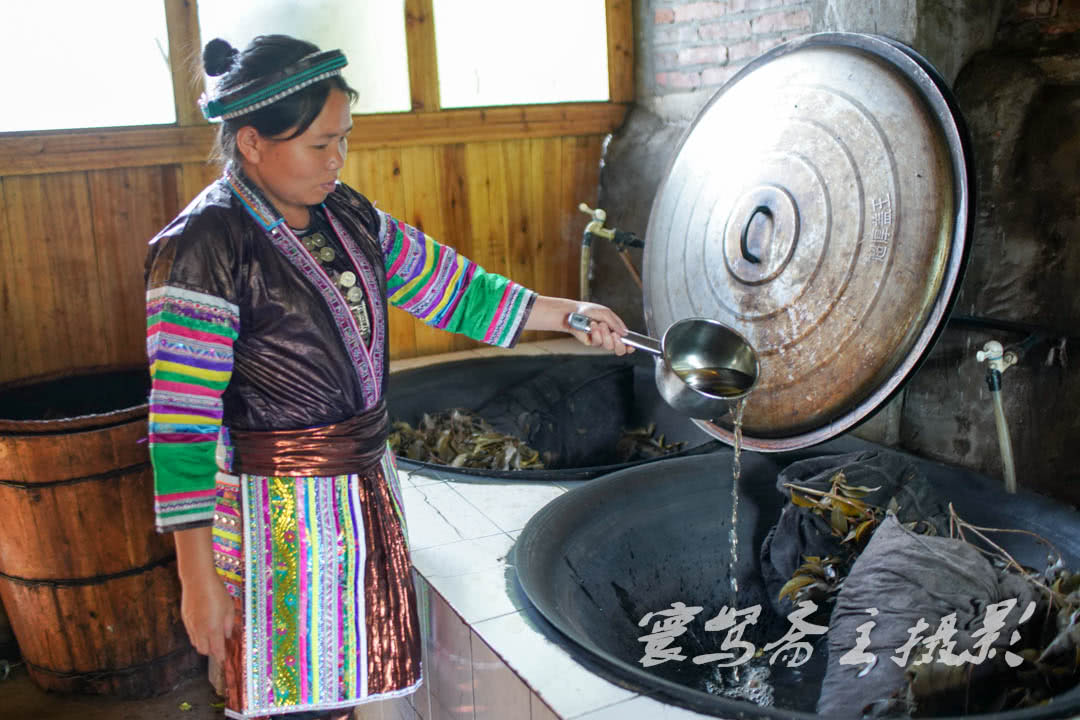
<point x="744" y="246"/>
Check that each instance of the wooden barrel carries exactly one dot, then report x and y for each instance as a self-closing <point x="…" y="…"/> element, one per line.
<point x="9" y="649"/>
<point x="90" y="587"/>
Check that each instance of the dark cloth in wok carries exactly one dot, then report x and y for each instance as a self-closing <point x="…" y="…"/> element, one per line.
<point x="800" y="533"/>
<point x="906" y="576"/>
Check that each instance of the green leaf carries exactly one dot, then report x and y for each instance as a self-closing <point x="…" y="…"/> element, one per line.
<point x="793" y="585"/>
<point x="864" y="530"/>
<point x="838" y="522"/>
<point x="802" y="501"/>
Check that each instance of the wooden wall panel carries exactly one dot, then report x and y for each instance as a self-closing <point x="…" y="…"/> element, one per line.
<point x="72" y="244"/>
<point x="454" y="206"/>
<point x="377" y="174"/>
<point x="9" y="313"/>
<point x="56" y="313"/>
<point x="423" y="63"/>
<point x="129" y="207"/>
<point x="579" y="183"/>
<point x="498" y="231"/>
<point x="194" y="176"/>
<point x="620" y="40"/>
<point x="486" y="243"/>
<point x="544" y="186"/>
<point x="185" y="53"/>
<point x="423" y="211"/>
<point x="520" y="217"/>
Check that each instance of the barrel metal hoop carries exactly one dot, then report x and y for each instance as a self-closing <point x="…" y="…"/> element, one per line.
<point x="102" y="674"/>
<point x="94" y="580"/>
<point x="22" y="485"/>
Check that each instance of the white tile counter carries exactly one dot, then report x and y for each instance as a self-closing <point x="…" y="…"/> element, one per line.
<point x="461" y="533"/>
<point x="485" y="657"/>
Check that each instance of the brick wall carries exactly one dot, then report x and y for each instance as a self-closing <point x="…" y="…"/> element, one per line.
<point x="699" y="44"/>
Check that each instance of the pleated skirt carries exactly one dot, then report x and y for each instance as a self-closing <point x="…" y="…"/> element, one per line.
<point x="320" y="574"/>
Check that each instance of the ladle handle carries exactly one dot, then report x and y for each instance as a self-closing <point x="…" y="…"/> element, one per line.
<point x="577" y="321"/>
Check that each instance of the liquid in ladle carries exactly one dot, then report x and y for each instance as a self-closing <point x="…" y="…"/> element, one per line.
<point x="715" y="381"/>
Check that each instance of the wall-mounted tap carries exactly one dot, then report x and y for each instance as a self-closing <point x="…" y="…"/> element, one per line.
<point x="621" y="238"/>
<point x="998" y="360"/>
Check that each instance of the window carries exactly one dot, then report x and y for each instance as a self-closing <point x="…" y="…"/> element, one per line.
<point x="76" y="64"/>
<point x="70" y="64"/>
<point x="371" y="34"/>
<point x="508" y="52"/>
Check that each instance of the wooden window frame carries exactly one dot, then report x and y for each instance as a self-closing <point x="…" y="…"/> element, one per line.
<point x="189" y="139"/>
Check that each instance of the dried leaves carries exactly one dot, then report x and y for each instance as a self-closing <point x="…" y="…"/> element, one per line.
<point x="849" y="517"/>
<point x="459" y="438"/>
<point x="642" y="444"/>
<point x="1051" y="648"/>
<point x="817" y="580"/>
<point x="1058" y="654"/>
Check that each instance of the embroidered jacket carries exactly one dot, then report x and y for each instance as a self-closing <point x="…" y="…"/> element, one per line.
<point x="246" y="330"/>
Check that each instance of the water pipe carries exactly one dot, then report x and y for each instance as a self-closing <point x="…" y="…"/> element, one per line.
<point x="620" y="238"/>
<point x="997" y="362"/>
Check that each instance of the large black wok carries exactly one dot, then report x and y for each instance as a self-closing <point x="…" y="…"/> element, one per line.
<point x="598" y="558"/>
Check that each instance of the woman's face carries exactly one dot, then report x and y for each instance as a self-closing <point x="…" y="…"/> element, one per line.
<point x="302" y="171"/>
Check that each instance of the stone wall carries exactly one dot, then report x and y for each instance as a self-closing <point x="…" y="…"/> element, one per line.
<point x="1015" y="70"/>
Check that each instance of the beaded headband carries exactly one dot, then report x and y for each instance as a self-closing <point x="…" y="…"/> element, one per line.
<point x="263" y="91"/>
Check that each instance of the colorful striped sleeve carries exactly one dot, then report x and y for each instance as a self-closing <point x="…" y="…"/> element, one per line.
<point x="189" y="341"/>
<point x="448" y="291"/>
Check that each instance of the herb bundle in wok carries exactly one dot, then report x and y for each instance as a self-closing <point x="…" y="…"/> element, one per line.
<point x="459" y="438"/>
<point x="1049" y="643"/>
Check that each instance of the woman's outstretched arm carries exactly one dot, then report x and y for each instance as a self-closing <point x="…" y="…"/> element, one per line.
<point x="550" y="313"/>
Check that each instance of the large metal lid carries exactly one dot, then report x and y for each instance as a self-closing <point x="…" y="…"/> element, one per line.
<point x="819" y="206"/>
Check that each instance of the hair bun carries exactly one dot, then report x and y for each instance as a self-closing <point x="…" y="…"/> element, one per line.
<point x="218" y="57"/>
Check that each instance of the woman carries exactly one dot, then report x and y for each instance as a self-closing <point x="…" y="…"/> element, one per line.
<point x="266" y="305"/>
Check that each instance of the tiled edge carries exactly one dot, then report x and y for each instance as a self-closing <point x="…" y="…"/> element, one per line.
<point x="498" y="693"/>
<point x="564" y="685"/>
<point x="450" y="663"/>
<point x="482" y="596"/>
<point x="508" y="505"/>
<point x="393" y="709"/>
<point x="420" y="478"/>
<point x="419" y="700"/>
<point x="464" y="557"/>
<point x="640" y="708"/>
<point x="436" y="515"/>
<point x="540" y="711"/>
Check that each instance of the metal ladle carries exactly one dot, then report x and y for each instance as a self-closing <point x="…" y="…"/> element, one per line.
<point x="701" y="364"/>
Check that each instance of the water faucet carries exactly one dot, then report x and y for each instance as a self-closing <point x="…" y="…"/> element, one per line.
<point x="998" y="360"/>
<point x="621" y="238"/>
